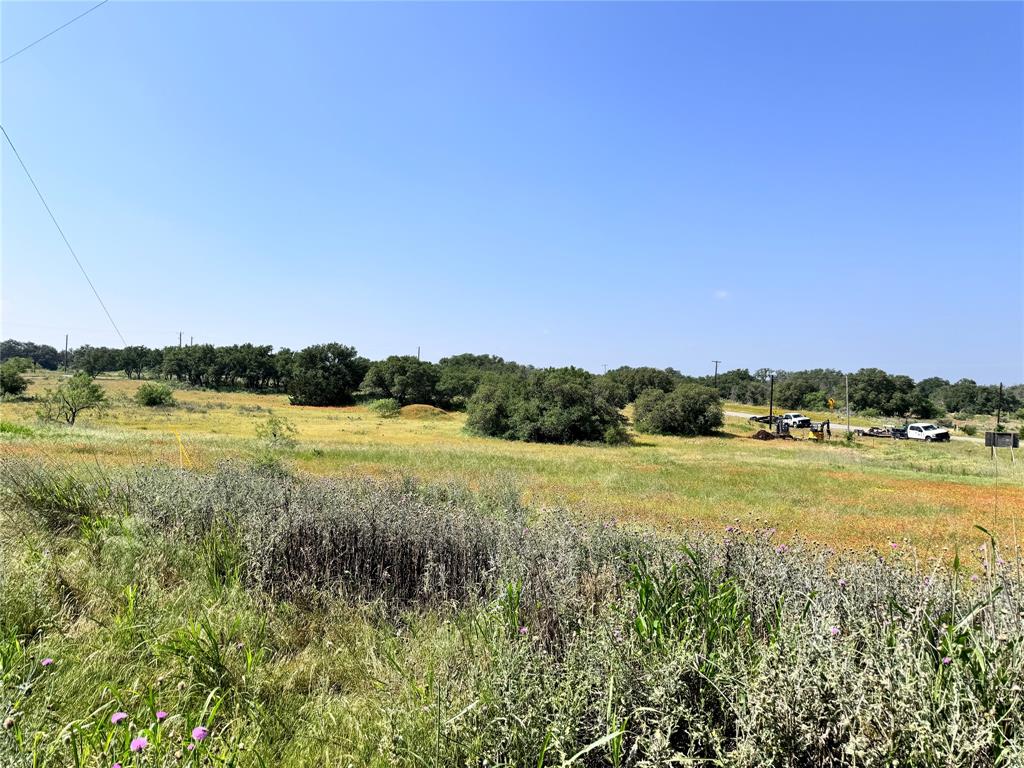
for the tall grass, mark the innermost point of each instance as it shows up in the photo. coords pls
(387, 622)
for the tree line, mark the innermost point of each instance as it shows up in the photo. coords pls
(335, 374)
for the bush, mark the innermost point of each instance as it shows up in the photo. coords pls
(277, 432)
(969, 429)
(555, 405)
(12, 383)
(152, 395)
(386, 408)
(689, 409)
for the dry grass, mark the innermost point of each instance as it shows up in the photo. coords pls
(863, 495)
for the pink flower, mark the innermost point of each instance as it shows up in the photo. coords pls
(523, 630)
(161, 715)
(116, 765)
(894, 545)
(946, 660)
(46, 662)
(834, 631)
(199, 733)
(842, 582)
(191, 747)
(139, 744)
(117, 717)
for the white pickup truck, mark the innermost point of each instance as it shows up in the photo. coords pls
(795, 421)
(927, 432)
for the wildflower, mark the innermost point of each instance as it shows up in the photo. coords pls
(834, 631)
(894, 545)
(781, 548)
(523, 630)
(161, 715)
(191, 747)
(116, 765)
(946, 660)
(139, 744)
(730, 528)
(199, 733)
(117, 717)
(46, 662)
(842, 582)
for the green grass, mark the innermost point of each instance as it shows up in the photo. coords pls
(859, 495)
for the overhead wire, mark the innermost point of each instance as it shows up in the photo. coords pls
(53, 218)
(53, 32)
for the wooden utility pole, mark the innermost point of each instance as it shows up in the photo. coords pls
(179, 339)
(999, 407)
(65, 353)
(847, 402)
(771, 400)
(417, 353)
(716, 362)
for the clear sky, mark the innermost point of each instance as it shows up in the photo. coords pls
(770, 185)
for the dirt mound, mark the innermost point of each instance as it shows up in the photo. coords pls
(423, 412)
(762, 434)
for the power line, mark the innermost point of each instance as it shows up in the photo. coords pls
(72, 250)
(58, 29)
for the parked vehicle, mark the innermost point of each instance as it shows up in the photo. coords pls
(930, 433)
(764, 419)
(874, 432)
(795, 421)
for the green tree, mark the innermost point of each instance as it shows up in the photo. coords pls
(325, 374)
(12, 383)
(555, 405)
(404, 378)
(689, 409)
(71, 397)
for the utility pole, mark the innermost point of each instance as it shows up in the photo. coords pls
(999, 408)
(716, 362)
(605, 365)
(190, 340)
(417, 353)
(65, 353)
(179, 339)
(771, 400)
(847, 402)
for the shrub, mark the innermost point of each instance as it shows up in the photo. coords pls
(386, 408)
(71, 397)
(152, 395)
(969, 429)
(12, 383)
(555, 405)
(689, 409)
(277, 432)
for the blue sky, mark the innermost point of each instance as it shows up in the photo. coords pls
(770, 185)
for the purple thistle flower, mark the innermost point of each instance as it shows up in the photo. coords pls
(946, 660)
(842, 582)
(161, 715)
(834, 631)
(117, 717)
(46, 662)
(781, 548)
(199, 733)
(523, 630)
(894, 545)
(139, 744)
(116, 765)
(191, 747)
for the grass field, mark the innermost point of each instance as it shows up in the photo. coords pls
(245, 616)
(861, 495)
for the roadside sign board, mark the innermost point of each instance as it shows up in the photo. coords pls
(1002, 440)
